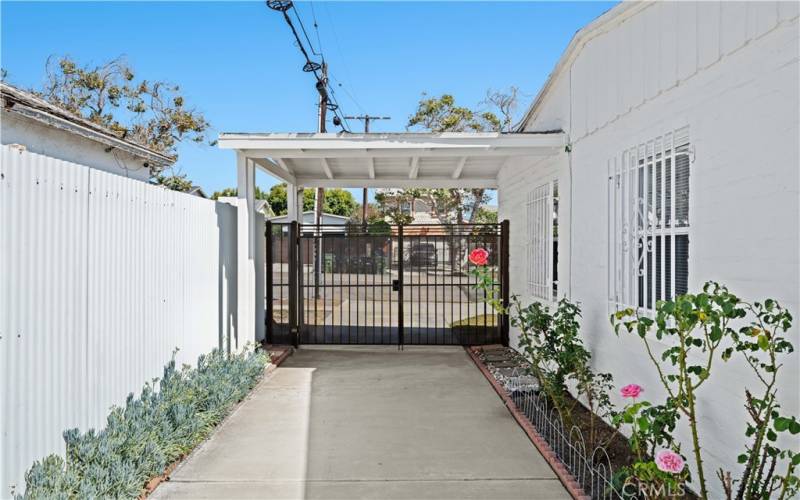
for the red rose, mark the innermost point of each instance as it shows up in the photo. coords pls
(479, 256)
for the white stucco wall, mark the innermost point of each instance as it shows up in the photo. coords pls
(55, 143)
(730, 72)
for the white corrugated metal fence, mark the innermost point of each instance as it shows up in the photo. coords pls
(103, 277)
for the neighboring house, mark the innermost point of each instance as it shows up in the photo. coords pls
(30, 123)
(197, 191)
(308, 218)
(681, 167)
(421, 212)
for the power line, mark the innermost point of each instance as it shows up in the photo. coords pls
(326, 92)
(351, 96)
(316, 26)
(305, 33)
(344, 61)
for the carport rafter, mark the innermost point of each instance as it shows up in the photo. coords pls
(391, 160)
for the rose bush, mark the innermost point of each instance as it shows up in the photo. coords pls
(669, 461)
(631, 391)
(552, 344)
(696, 329)
(479, 256)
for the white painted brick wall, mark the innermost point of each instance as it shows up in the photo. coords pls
(735, 83)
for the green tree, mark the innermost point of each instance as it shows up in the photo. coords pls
(225, 193)
(229, 192)
(175, 181)
(337, 201)
(442, 114)
(486, 216)
(276, 197)
(151, 113)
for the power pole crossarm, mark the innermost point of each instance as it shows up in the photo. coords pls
(366, 119)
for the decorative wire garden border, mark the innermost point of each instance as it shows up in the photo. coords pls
(593, 472)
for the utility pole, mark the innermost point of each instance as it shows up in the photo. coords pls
(323, 109)
(322, 85)
(366, 119)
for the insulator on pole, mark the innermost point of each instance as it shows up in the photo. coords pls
(279, 5)
(311, 66)
(323, 91)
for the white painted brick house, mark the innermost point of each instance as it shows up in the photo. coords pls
(712, 89)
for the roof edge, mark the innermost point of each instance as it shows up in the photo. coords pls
(598, 26)
(33, 107)
(377, 135)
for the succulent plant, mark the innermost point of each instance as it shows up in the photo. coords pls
(169, 418)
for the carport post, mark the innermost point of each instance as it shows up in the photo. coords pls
(247, 329)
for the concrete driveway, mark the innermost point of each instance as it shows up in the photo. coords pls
(369, 422)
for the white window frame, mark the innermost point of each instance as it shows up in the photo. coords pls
(635, 221)
(540, 241)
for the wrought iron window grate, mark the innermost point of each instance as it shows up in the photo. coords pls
(648, 222)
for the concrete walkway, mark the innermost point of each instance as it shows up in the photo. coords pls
(369, 422)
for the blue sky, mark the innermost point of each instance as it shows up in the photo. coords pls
(236, 61)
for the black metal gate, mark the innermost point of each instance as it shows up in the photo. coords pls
(383, 284)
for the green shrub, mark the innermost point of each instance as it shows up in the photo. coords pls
(148, 433)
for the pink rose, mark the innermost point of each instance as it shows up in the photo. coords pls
(669, 461)
(479, 256)
(631, 391)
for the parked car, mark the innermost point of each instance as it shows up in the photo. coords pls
(422, 254)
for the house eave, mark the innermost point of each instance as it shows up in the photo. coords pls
(152, 157)
(602, 24)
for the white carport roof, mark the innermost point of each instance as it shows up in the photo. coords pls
(452, 159)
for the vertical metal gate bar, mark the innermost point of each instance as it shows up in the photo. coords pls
(452, 279)
(410, 282)
(383, 288)
(282, 279)
(294, 295)
(300, 282)
(496, 288)
(485, 242)
(268, 284)
(349, 270)
(374, 268)
(504, 278)
(358, 283)
(341, 267)
(317, 276)
(427, 295)
(400, 332)
(324, 292)
(436, 281)
(389, 300)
